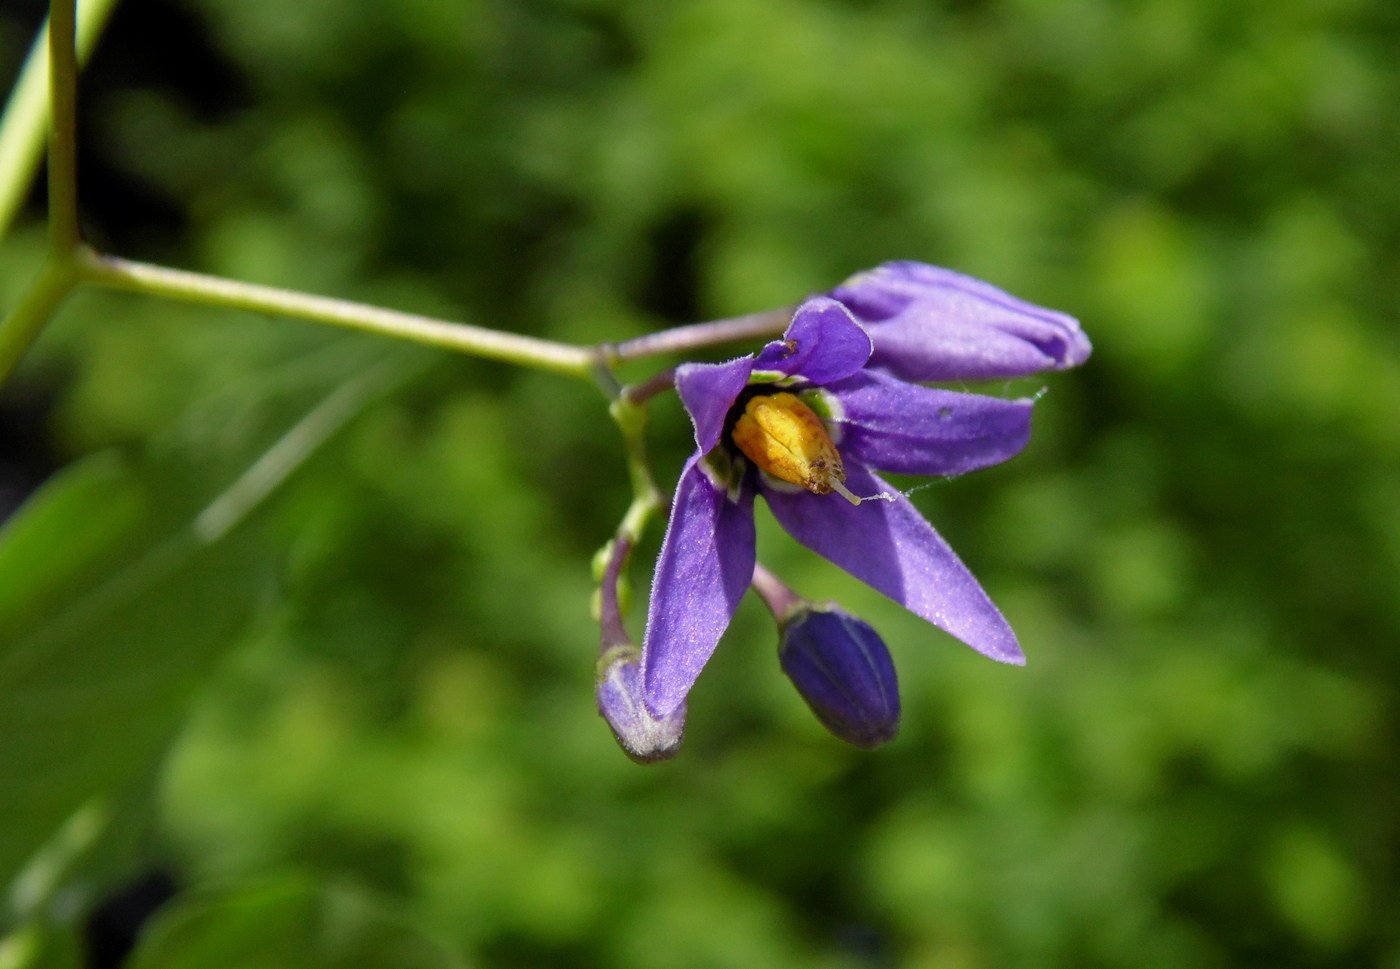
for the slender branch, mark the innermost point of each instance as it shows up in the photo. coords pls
(63, 126)
(32, 313)
(647, 498)
(657, 383)
(477, 341)
(19, 138)
(26, 116)
(684, 338)
(612, 629)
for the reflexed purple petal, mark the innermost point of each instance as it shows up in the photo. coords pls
(708, 390)
(823, 343)
(706, 563)
(929, 323)
(644, 738)
(895, 426)
(889, 546)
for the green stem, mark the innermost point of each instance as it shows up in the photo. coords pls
(610, 562)
(34, 310)
(647, 498)
(26, 116)
(63, 132)
(477, 341)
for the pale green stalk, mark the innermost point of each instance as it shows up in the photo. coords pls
(37, 306)
(478, 341)
(26, 116)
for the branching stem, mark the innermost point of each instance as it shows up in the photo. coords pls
(25, 121)
(27, 319)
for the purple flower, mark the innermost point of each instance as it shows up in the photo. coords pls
(929, 323)
(806, 423)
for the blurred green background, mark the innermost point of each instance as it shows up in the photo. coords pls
(359, 730)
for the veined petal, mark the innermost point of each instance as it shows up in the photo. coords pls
(708, 390)
(929, 323)
(705, 565)
(823, 343)
(896, 426)
(889, 546)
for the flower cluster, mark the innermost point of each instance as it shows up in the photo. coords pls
(809, 423)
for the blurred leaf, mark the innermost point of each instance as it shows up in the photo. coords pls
(1315, 887)
(284, 924)
(39, 946)
(81, 513)
(145, 573)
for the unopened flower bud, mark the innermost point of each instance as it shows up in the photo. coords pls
(643, 737)
(844, 672)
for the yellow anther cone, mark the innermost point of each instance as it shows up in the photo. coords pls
(782, 435)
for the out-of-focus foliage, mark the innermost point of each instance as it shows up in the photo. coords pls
(398, 755)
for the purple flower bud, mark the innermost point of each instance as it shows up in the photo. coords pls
(642, 736)
(844, 672)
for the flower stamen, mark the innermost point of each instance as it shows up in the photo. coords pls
(840, 488)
